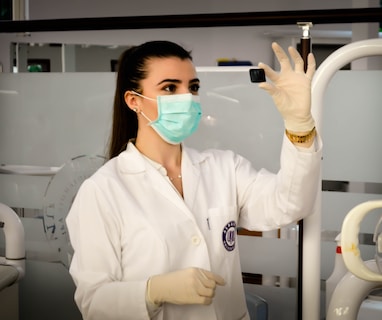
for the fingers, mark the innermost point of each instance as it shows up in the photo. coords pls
(215, 277)
(207, 285)
(281, 56)
(311, 66)
(297, 59)
(205, 281)
(269, 72)
(270, 88)
(285, 63)
(187, 286)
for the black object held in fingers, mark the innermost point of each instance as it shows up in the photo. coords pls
(257, 75)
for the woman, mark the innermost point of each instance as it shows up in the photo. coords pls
(154, 229)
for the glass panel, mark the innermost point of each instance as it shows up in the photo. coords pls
(61, 57)
(352, 119)
(352, 158)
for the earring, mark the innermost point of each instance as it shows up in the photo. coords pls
(135, 110)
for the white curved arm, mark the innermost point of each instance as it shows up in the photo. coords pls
(349, 241)
(14, 239)
(312, 224)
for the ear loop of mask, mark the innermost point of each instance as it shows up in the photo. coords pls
(141, 112)
(141, 95)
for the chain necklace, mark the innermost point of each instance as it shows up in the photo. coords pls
(179, 176)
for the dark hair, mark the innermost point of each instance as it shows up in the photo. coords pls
(131, 70)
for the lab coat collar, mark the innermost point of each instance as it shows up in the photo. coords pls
(137, 165)
(132, 162)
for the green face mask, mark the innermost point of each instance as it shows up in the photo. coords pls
(178, 116)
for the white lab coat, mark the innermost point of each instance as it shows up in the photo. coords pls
(128, 223)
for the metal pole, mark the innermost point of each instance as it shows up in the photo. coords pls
(305, 49)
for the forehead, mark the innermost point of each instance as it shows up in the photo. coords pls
(170, 68)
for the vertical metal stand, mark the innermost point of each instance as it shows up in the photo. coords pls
(305, 49)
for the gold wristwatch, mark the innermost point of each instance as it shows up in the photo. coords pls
(301, 139)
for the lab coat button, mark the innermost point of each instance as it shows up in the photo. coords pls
(195, 240)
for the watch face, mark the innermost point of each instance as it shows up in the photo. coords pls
(58, 198)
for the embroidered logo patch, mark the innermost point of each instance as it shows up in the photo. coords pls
(229, 236)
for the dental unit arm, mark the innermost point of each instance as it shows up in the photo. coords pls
(14, 240)
(363, 276)
(349, 241)
(312, 224)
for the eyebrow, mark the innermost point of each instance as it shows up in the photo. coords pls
(177, 81)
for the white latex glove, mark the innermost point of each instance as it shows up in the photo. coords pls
(187, 286)
(291, 89)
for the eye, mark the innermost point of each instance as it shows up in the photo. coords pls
(171, 88)
(194, 88)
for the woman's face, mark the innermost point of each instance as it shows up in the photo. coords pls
(167, 76)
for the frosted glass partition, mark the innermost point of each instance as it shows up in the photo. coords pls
(352, 131)
(238, 115)
(48, 119)
(352, 119)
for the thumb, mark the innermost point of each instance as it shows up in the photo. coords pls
(215, 277)
(270, 88)
(269, 72)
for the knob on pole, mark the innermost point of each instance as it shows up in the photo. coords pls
(305, 42)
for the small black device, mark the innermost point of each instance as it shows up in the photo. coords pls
(257, 75)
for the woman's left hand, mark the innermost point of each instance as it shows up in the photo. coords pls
(291, 89)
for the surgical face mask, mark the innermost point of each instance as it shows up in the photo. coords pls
(178, 116)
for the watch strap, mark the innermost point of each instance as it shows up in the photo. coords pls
(301, 139)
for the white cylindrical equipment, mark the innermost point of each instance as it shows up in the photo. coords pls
(349, 295)
(362, 277)
(339, 271)
(14, 239)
